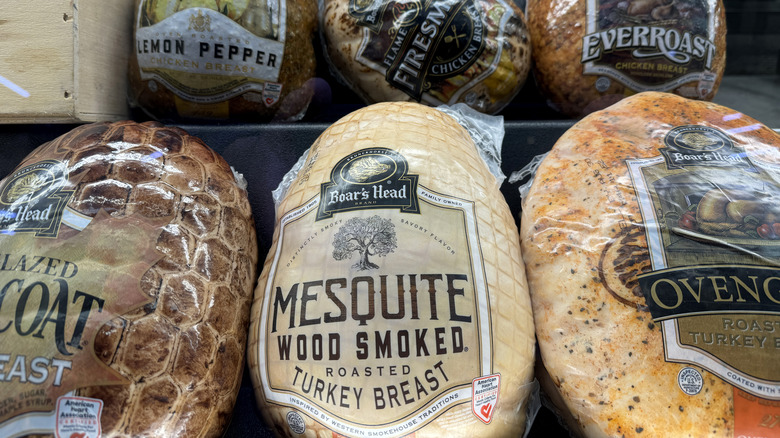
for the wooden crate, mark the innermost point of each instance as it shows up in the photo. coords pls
(64, 61)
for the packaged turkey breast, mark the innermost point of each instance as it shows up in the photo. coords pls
(127, 266)
(223, 60)
(435, 52)
(590, 54)
(393, 301)
(650, 237)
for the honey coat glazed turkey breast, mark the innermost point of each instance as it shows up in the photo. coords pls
(393, 301)
(648, 236)
(127, 265)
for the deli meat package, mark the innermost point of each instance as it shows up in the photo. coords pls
(393, 301)
(127, 262)
(436, 51)
(651, 236)
(589, 54)
(217, 60)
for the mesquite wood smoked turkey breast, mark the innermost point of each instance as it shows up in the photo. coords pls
(653, 282)
(393, 300)
(131, 251)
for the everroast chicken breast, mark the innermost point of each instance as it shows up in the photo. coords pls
(128, 256)
(648, 236)
(590, 54)
(393, 300)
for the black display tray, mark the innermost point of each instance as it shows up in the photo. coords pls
(263, 154)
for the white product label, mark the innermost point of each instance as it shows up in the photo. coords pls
(271, 93)
(356, 331)
(485, 396)
(205, 56)
(78, 417)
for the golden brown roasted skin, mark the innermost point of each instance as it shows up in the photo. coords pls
(584, 243)
(181, 353)
(344, 37)
(557, 28)
(298, 67)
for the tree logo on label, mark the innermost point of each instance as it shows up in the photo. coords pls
(373, 236)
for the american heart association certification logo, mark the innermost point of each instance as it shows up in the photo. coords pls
(484, 396)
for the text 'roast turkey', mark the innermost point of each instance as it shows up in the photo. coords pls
(126, 270)
(393, 300)
(652, 257)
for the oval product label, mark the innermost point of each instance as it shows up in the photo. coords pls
(207, 56)
(375, 318)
